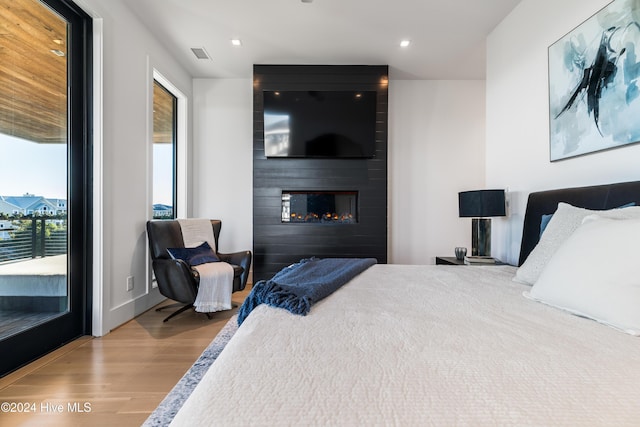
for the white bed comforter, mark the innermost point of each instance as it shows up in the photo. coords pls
(422, 345)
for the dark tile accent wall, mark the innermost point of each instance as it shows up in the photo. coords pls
(277, 245)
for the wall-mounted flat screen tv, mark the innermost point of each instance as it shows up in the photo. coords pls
(321, 124)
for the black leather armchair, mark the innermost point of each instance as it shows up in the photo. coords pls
(176, 280)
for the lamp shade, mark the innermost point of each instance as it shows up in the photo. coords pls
(481, 203)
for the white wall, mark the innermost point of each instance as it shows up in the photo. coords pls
(223, 158)
(436, 149)
(517, 115)
(129, 54)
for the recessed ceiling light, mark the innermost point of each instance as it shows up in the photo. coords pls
(57, 52)
(405, 43)
(236, 42)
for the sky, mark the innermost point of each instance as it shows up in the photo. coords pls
(162, 174)
(29, 167)
(41, 169)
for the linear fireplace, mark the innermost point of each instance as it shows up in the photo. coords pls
(324, 207)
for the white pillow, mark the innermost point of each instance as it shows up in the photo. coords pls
(594, 274)
(563, 223)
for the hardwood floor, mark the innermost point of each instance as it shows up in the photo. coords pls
(115, 380)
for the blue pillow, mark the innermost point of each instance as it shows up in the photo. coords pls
(544, 221)
(194, 256)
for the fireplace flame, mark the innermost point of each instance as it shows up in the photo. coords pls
(325, 218)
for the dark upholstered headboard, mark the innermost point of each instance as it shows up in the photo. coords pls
(597, 197)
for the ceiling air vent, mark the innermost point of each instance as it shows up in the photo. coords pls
(200, 53)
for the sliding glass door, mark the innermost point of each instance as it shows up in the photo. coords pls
(45, 259)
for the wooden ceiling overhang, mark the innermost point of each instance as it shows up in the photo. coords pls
(163, 115)
(33, 79)
(33, 76)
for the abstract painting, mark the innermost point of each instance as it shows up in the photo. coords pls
(594, 83)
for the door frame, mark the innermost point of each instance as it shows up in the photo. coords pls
(28, 345)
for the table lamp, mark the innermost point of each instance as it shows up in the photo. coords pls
(481, 205)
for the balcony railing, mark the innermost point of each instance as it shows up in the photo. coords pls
(32, 237)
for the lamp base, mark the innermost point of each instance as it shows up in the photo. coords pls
(481, 237)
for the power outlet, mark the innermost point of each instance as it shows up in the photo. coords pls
(130, 283)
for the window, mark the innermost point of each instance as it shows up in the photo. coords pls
(164, 152)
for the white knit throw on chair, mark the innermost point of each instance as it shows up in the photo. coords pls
(216, 278)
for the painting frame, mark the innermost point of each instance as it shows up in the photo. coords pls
(594, 83)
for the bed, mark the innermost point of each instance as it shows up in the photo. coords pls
(446, 345)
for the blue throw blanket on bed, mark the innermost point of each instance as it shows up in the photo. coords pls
(297, 287)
